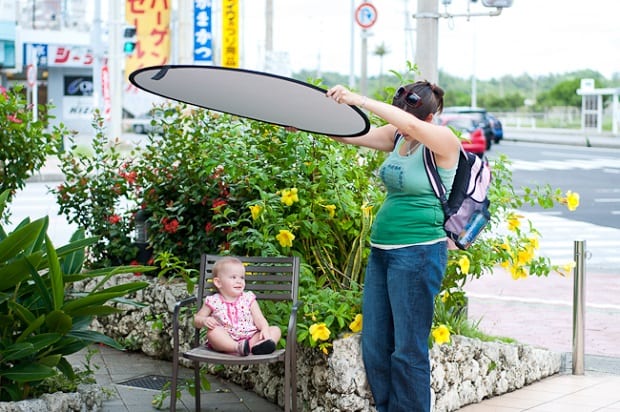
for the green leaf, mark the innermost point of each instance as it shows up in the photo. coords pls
(22, 311)
(58, 321)
(90, 300)
(55, 275)
(51, 360)
(17, 271)
(17, 351)
(74, 261)
(40, 284)
(91, 336)
(96, 311)
(30, 372)
(32, 327)
(20, 239)
(66, 368)
(43, 340)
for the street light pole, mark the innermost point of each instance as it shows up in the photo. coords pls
(427, 39)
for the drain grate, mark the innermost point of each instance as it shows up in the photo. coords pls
(154, 382)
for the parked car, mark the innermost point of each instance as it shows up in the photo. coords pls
(151, 122)
(481, 115)
(472, 134)
(496, 126)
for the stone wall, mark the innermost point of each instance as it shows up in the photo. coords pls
(463, 372)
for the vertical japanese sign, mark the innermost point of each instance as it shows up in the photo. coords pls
(230, 33)
(203, 32)
(152, 22)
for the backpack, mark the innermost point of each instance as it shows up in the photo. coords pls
(466, 210)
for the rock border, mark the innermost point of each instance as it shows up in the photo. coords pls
(463, 372)
(87, 398)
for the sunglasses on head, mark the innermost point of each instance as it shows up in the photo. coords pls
(411, 98)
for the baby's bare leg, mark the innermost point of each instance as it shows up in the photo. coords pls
(221, 341)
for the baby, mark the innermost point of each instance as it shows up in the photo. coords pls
(234, 320)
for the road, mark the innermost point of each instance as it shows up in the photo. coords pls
(539, 311)
(591, 172)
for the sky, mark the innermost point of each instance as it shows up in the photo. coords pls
(535, 37)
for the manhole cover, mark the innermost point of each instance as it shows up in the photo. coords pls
(154, 382)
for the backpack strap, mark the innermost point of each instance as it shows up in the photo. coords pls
(397, 137)
(434, 178)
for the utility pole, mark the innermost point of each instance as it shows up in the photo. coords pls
(116, 60)
(268, 64)
(352, 48)
(95, 42)
(427, 39)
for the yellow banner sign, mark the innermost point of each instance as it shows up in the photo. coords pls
(230, 33)
(152, 22)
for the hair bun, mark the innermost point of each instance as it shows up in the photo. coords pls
(437, 90)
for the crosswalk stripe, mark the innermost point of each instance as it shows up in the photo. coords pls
(558, 237)
(568, 164)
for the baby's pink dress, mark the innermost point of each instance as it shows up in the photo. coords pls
(235, 316)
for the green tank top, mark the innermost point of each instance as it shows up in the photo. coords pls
(411, 212)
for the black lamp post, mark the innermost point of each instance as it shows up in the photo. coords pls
(141, 237)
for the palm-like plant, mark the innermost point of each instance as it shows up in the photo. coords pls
(41, 319)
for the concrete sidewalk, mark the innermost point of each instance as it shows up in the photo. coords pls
(135, 379)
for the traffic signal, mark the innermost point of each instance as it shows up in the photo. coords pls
(129, 40)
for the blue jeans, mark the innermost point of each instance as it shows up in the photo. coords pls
(399, 292)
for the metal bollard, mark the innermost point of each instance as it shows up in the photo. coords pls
(579, 308)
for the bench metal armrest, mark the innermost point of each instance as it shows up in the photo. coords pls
(191, 300)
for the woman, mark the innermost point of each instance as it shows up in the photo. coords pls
(408, 245)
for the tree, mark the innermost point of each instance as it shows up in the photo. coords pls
(381, 50)
(25, 143)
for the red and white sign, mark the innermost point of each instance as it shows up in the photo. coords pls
(366, 15)
(105, 92)
(70, 56)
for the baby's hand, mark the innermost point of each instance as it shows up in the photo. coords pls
(264, 334)
(211, 322)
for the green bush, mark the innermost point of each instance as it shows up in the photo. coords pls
(41, 319)
(25, 143)
(220, 184)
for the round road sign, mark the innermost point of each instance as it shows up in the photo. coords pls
(366, 15)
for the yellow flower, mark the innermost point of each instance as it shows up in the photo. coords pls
(505, 264)
(568, 268)
(572, 200)
(285, 237)
(289, 196)
(366, 209)
(505, 246)
(356, 325)
(331, 209)
(534, 243)
(513, 222)
(255, 210)
(441, 334)
(518, 272)
(525, 256)
(444, 296)
(319, 331)
(464, 264)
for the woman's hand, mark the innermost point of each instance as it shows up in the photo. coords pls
(342, 95)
